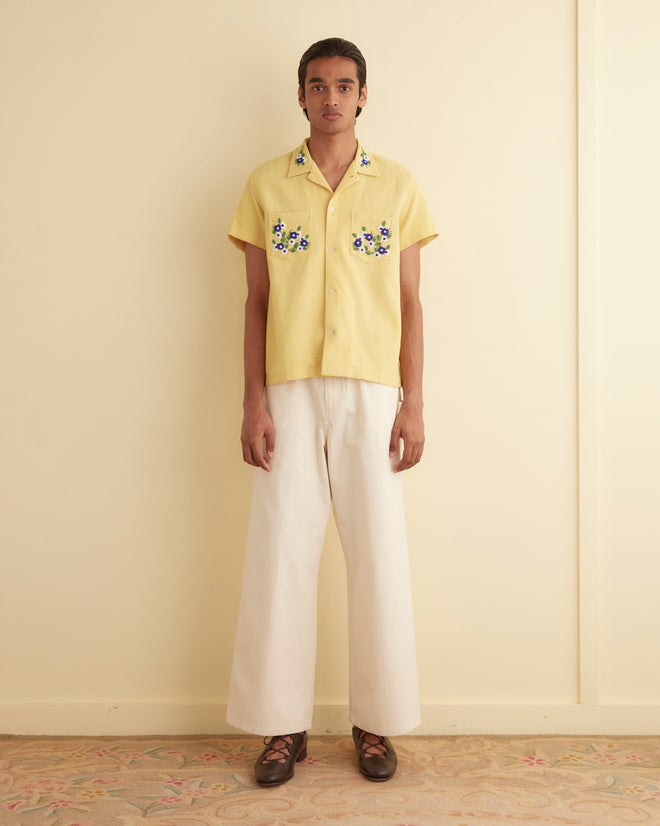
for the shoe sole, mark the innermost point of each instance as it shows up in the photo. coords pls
(377, 779)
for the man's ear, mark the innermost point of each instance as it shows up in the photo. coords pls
(301, 98)
(362, 100)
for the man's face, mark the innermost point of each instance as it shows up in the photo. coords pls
(332, 95)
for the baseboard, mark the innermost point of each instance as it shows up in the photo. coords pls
(531, 719)
(125, 719)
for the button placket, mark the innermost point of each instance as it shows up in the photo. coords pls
(331, 246)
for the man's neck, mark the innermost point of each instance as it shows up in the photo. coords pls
(333, 154)
(332, 151)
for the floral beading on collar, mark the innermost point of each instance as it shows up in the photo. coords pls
(365, 160)
(301, 158)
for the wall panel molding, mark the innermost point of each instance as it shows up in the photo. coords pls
(587, 348)
(127, 719)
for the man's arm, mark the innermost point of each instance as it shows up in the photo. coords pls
(409, 424)
(257, 423)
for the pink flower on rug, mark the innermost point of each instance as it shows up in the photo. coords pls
(105, 782)
(635, 758)
(602, 757)
(171, 800)
(316, 761)
(535, 761)
(192, 794)
(173, 752)
(11, 807)
(102, 753)
(175, 781)
(134, 755)
(209, 757)
(60, 804)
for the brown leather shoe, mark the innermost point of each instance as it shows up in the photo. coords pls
(283, 755)
(376, 755)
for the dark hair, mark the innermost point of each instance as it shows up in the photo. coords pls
(333, 47)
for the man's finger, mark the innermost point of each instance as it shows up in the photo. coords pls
(394, 440)
(404, 462)
(270, 441)
(258, 454)
(412, 454)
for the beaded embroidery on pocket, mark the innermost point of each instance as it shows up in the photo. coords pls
(287, 241)
(374, 242)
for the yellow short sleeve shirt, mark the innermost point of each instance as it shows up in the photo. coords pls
(333, 263)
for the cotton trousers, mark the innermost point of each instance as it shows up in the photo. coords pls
(332, 439)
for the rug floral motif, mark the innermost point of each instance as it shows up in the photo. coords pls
(457, 781)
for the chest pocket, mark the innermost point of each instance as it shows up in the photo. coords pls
(371, 236)
(289, 238)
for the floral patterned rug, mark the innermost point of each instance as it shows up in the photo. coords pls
(441, 781)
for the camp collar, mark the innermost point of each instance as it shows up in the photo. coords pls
(301, 161)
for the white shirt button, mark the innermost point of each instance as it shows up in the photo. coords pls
(331, 291)
(331, 249)
(331, 332)
(332, 209)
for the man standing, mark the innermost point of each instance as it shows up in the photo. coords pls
(333, 335)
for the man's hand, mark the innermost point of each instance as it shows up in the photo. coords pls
(257, 426)
(409, 426)
(257, 423)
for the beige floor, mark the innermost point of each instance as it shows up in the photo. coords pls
(458, 781)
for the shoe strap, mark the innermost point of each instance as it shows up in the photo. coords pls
(284, 751)
(378, 749)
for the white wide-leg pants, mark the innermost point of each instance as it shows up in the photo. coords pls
(332, 440)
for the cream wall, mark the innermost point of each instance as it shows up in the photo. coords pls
(128, 131)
